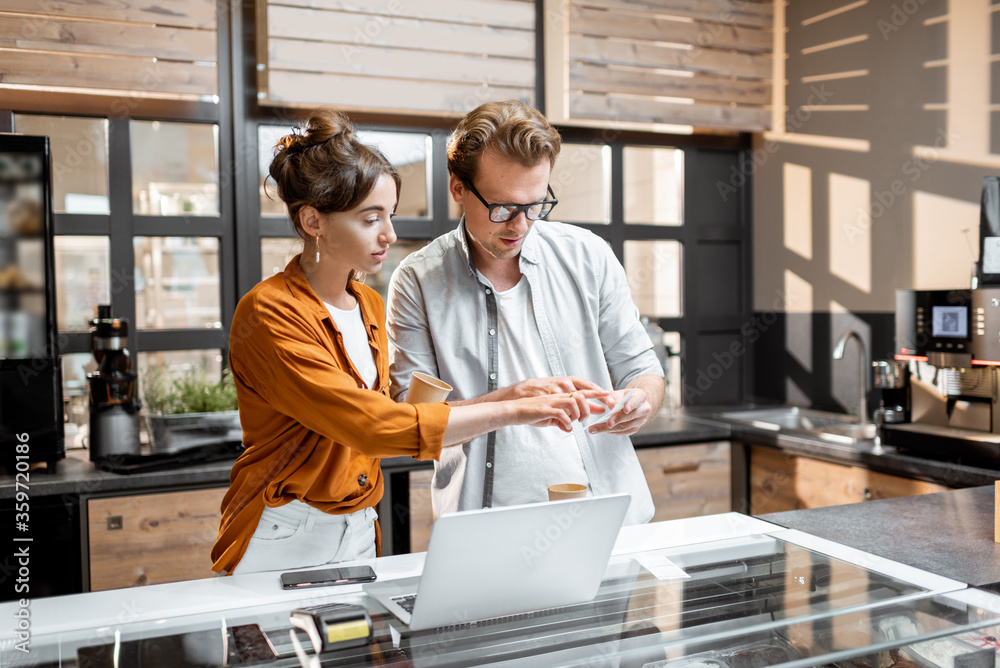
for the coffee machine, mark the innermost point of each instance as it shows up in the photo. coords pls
(956, 333)
(892, 383)
(114, 406)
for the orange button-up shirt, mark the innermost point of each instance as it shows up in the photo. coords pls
(312, 431)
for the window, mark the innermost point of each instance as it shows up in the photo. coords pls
(177, 282)
(175, 169)
(654, 276)
(79, 160)
(83, 271)
(654, 185)
(581, 179)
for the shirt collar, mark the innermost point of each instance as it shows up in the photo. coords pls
(529, 249)
(299, 286)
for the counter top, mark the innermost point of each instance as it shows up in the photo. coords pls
(948, 533)
(76, 474)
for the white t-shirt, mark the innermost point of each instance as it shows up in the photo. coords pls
(529, 458)
(352, 328)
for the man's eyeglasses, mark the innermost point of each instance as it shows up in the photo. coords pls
(501, 213)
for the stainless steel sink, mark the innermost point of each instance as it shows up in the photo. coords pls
(833, 427)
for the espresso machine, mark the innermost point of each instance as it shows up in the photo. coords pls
(114, 406)
(954, 337)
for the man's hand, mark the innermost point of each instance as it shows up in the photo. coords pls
(562, 409)
(636, 412)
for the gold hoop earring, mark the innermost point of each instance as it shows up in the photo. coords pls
(317, 249)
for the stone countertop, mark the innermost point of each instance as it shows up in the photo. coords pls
(929, 531)
(76, 474)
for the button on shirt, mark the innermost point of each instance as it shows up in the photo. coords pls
(439, 315)
(531, 458)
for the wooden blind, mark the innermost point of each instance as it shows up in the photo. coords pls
(704, 63)
(156, 48)
(396, 56)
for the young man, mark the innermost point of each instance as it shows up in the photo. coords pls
(512, 305)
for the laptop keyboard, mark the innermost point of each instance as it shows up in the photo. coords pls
(406, 602)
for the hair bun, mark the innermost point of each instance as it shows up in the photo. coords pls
(324, 124)
(327, 123)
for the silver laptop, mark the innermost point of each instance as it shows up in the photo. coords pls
(483, 564)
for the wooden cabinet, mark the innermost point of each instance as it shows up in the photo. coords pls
(688, 480)
(152, 538)
(780, 481)
(685, 481)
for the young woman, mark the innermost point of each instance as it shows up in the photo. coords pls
(308, 351)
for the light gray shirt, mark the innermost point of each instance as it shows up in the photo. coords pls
(442, 320)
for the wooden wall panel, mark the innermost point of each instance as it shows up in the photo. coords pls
(755, 14)
(618, 109)
(620, 62)
(497, 13)
(310, 89)
(324, 58)
(97, 72)
(606, 23)
(166, 48)
(416, 57)
(199, 14)
(620, 52)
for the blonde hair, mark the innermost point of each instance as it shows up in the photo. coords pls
(511, 128)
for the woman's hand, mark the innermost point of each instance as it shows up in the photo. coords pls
(561, 410)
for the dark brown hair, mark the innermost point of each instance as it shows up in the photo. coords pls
(326, 167)
(511, 128)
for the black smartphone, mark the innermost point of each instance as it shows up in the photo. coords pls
(325, 577)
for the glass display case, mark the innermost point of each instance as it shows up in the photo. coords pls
(757, 597)
(30, 383)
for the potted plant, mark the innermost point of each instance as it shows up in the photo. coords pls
(190, 410)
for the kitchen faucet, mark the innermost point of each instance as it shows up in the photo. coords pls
(838, 353)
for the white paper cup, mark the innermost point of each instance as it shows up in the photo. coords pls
(426, 389)
(567, 490)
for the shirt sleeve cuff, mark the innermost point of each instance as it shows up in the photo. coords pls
(432, 420)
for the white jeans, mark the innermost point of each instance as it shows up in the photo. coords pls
(297, 535)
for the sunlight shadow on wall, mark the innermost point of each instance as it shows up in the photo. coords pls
(945, 236)
(850, 230)
(798, 209)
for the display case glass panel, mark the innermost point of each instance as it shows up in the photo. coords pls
(743, 601)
